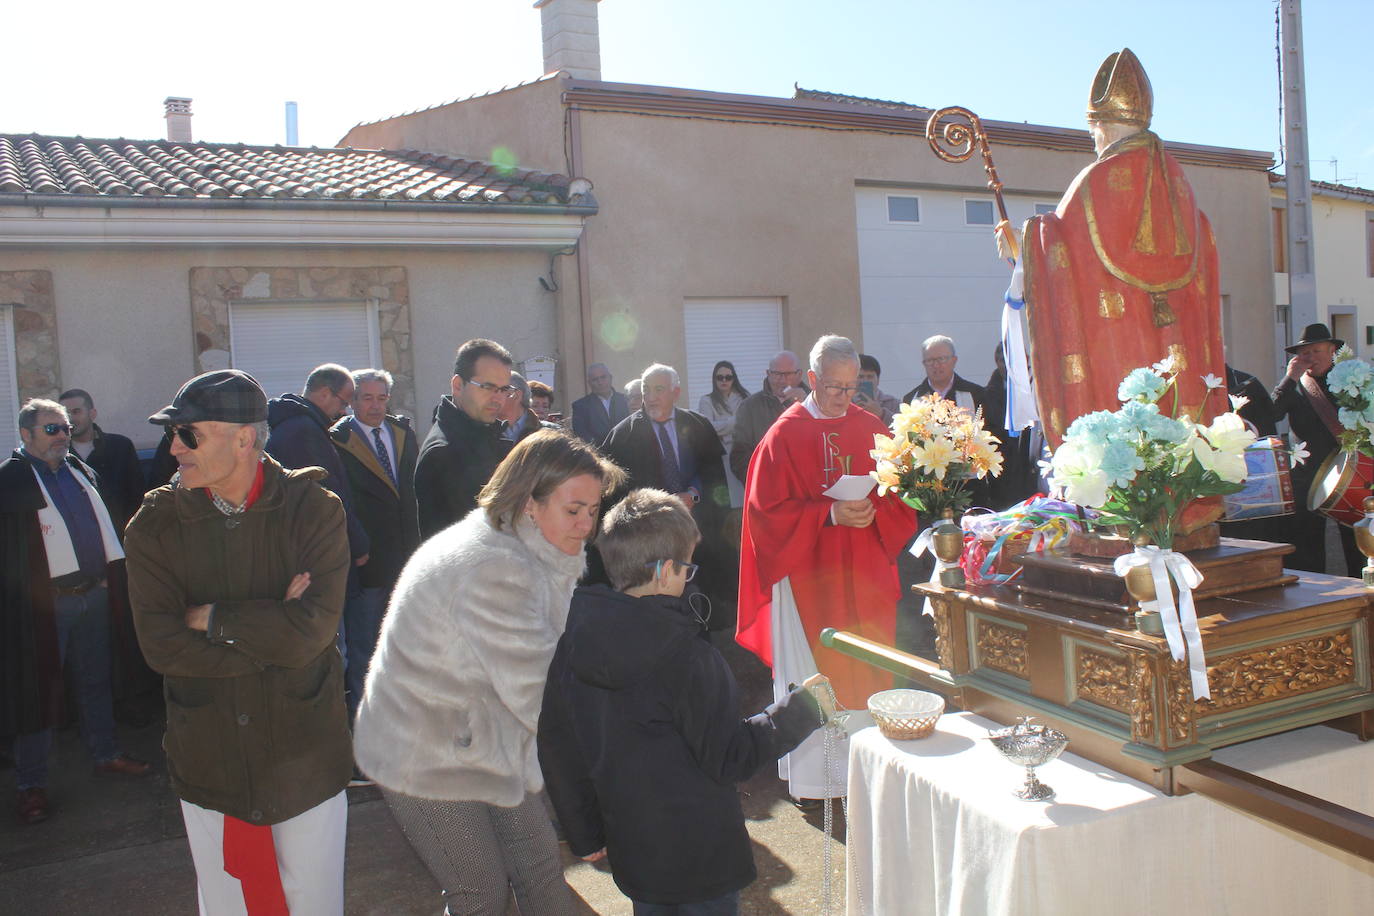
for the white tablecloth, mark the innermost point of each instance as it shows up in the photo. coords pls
(934, 828)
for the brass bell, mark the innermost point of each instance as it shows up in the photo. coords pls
(1364, 539)
(947, 539)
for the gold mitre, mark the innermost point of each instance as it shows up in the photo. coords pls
(1121, 91)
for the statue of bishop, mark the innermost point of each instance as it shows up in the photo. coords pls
(1124, 272)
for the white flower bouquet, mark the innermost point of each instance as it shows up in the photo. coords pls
(934, 450)
(1141, 468)
(1351, 382)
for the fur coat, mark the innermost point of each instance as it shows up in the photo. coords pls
(454, 691)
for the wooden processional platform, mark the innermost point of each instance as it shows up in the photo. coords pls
(1284, 650)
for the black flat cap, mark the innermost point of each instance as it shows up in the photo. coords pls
(224, 396)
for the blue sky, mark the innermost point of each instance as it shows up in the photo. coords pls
(1212, 62)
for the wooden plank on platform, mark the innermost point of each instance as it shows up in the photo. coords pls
(1317, 818)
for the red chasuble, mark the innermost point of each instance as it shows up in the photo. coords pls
(1121, 275)
(841, 577)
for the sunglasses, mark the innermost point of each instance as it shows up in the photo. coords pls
(725, 378)
(53, 429)
(185, 434)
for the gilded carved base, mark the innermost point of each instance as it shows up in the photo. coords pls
(1102, 678)
(1001, 647)
(944, 633)
(1269, 674)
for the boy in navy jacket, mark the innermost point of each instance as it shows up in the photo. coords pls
(640, 738)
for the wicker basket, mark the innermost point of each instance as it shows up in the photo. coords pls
(904, 715)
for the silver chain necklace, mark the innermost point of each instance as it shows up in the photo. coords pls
(231, 512)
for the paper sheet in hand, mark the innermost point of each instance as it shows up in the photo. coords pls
(851, 486)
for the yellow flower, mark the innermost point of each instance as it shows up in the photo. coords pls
(887, 475)
(935, 456)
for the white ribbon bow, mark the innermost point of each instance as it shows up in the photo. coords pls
(1180, 623)
(923, 543)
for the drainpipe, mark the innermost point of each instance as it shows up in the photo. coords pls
(584, 286)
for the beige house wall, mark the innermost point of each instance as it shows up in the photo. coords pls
(527, 121)
(1341, 245)
(703, 206)
(125, 328)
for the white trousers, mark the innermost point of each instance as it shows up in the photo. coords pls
(310, 857)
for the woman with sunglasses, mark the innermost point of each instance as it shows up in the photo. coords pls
(447, 721)
(720, 407)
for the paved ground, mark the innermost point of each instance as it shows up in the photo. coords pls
(119, 846)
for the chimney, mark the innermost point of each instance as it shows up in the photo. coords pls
(178, 119)
(292, 134)
(571, 41)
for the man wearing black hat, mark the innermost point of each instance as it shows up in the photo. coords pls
(1302, 396)
(236, 577)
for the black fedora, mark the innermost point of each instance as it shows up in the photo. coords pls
(1315, 333)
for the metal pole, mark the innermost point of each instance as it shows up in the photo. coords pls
(1302, 261)
(292, 135)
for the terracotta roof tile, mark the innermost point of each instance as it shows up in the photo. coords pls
(818, 95)
(76, 168)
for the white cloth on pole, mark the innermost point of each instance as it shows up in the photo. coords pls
(310, 858)
(804, 768)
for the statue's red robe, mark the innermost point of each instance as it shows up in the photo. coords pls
(841, 577)
(1121, 275)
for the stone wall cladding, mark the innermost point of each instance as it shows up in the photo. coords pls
(37, 367)
(214, 288)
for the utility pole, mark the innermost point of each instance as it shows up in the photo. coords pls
(1302, 260)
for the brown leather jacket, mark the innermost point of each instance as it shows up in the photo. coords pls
(256, 726)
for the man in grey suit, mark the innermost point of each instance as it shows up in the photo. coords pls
(595, 415)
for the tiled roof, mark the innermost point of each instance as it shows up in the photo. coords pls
(79, 169)
(816, 95)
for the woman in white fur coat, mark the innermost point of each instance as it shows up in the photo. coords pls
(447, 721)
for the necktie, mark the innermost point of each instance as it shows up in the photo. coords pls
(382, 455)
(672, 471)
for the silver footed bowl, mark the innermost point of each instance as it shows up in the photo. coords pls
(1029, 746)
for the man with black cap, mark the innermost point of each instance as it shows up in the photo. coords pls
(1302, 396)
(236, 576)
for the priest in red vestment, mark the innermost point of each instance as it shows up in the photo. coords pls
(1124, 273)
(807, 561)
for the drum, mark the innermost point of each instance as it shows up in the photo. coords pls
(1343, 481)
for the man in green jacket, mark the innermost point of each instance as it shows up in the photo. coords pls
(237, 573)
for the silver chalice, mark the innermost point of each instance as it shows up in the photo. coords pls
(1029, 746)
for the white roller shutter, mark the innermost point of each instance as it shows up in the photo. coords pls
(747, 332)
(280, 342)
(9, 384)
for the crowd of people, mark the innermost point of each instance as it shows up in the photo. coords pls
(520, 601)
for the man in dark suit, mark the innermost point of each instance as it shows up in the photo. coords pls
(678, 450)
(594, 416)
(113, 458)
(378, 451)
(939, 358)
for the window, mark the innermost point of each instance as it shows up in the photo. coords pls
(747, 332)
(1045, 208)
(1280, 241)
(9, 387)
(278, 343)
(903, 209)
(978, 213)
